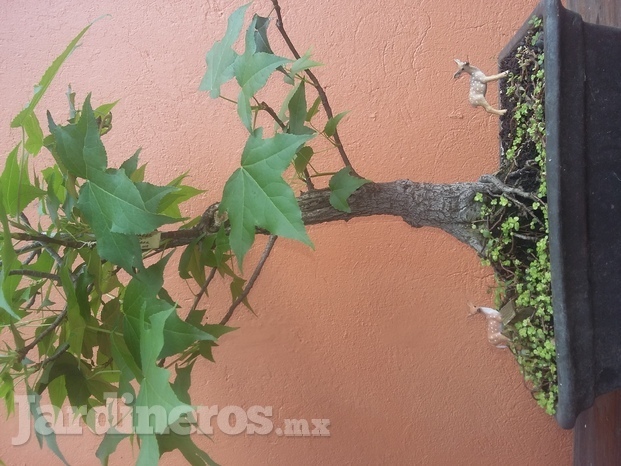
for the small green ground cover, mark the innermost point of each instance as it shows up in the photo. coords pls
(515, 223)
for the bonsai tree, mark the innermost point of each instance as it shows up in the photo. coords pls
(86, 246)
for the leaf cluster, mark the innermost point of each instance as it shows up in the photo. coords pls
(62, 295)
(256, 195)
(85, 247)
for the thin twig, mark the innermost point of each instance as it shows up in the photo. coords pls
(322, 93)
(24, 351)
(264, 106)
(44, 239)
(31, 301)
(506, 188)
(200, 294)
(24, 218)
(507, 191)
(61, 349)
(524, 208)
(308, 179)
(35, 274)
(253, 278)
(54, 255)
(30, 258)
(34, 246)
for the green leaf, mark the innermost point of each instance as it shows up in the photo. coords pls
(141, 297)
(76, 323)
(79, 145)
(113, 206)
(101, 383)
(222, 246)
(138, 174)
(8, 284)
(126, 364)
(155, 390)
(260, 35)
(7, 393)
(303, 63)
(153, 195)
(103, 110)
(257, 196)
(131, 164)
(297, 111)
(110, 202)
(179, 335)
(170, 203)
(342, 185)
(67, 366)
(252, 70)
(46, 80)
(41, 424)
(182, 383)
(330, 127)
(184, 443)
(44, 263)
(57, 391)
(237, 288)
(34, 133)
(244, 111)
(313, 110)
(221, 57)
(195, 257)
(120, 249)
(56, 193)
(17, 191)
(190, 264)
(302, 159)
(108, 445)
(149, 451)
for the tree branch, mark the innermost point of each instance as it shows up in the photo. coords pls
(320, 90)
(265, 107)
(450, 207)
(203, 289)
(35, 274)
(44, 239)
(61, 349)
(253, 278)
(22, 352)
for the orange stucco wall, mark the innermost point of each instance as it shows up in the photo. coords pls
(368, 330)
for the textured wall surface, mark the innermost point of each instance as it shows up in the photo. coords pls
(368, 330)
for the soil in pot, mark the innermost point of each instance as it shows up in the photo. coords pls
(515, 223)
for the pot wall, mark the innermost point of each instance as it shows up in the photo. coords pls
(583, 117)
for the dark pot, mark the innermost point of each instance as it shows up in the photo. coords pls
(583, 130)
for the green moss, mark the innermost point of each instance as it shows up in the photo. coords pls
(516, 226)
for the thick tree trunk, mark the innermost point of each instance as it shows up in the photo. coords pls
(450, 207)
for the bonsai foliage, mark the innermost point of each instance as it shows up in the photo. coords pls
(84, 245)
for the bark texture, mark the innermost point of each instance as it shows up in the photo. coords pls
(450, 207)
